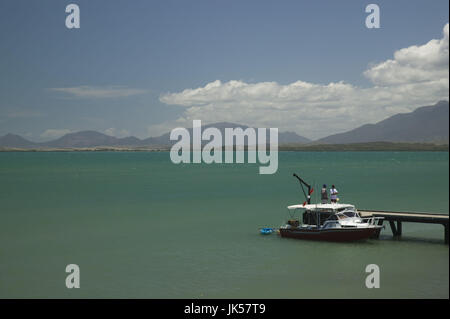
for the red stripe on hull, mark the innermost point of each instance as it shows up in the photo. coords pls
(340, 234)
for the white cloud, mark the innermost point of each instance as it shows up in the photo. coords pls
(24, 114)
(418, 75)
(19, 112)
(423, 63)
(55, 133)
(99, 92)
(117, 133)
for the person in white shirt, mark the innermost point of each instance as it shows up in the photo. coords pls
(333, 194)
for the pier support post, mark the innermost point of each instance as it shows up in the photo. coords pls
(399, 228)
(446, 233)
(393, 228)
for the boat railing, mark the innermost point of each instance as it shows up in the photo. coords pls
(372, 220)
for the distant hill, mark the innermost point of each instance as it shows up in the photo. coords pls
(283, 137)
(425, 124)
(12, 140)
(86, 139)
(292, 137)
(82, 139)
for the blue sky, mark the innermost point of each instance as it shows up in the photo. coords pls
(124, 70)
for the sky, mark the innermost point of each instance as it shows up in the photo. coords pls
(143, 68)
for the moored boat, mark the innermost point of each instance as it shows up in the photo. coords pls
(330, 222)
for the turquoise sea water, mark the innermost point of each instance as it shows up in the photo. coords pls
(139, 226)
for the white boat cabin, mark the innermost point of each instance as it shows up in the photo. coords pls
(328, 216)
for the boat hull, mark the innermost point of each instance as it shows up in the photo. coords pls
(336, 234)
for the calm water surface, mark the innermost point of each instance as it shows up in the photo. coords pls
(141, 227)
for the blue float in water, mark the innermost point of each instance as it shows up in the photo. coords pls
(266, 231)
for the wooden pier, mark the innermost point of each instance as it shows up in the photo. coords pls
(396, 219)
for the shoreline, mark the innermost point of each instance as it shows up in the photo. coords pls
(351, 147)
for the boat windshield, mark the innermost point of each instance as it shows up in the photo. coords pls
(349, 214)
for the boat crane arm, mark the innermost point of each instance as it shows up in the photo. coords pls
(302, 182)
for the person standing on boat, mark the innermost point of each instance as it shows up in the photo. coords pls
(334, 192)
(324, 194)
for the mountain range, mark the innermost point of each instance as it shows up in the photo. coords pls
(424, 124)
(85, 139)
(429, 124)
